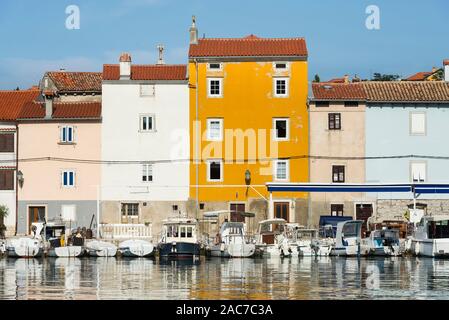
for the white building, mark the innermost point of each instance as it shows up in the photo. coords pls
(145, 127)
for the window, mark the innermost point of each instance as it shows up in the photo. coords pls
(183, 232)
(189, 232)
(214, 89)
(322, 104)
(215, 170)
(280, 66)
(7, 142)
(147, 90)
(418, 171)
(338, 173)
(67, 134)
(68, 178)
(130, 212)
(418, 123)
(175, 208)
(352, 104)
(201, 206)
(281, 87)
(281, 170)
(215, 129)
(147, 173)
(334, 121)
(215, 66)
(147, 123)
(281, 127)
(336, 209)
(6, 179)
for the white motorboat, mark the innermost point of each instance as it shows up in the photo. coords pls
(273, 240)
(231, 242)
(97, 248)
(54, 232)
(431, 237)
(27, 247)
(383, 242)
(305, 237)
(322, 246)
(136, 248)
(348, 239)
(179, 238)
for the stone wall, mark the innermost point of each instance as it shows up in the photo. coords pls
(395, 209)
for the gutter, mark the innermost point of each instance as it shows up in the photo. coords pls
(15, 180)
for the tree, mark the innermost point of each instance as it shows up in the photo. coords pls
(385, 77)
(4, 211)
(317, 78)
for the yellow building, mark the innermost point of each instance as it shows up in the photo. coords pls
(249, 124)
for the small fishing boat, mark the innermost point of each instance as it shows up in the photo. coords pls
(272, 239)
(231, 242)
(27, 247)
(97, 248)
(179, 238)
(431, 237)
(136, 248)
(305, 237)
(383, 242)
(348, 239)
(54, 232)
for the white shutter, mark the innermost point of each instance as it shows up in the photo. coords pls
(418, 123)
(68, 212)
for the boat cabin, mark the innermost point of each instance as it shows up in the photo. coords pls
(269, 229)
(179, 230)
(328, 225)
(349, 233)
(436, 227)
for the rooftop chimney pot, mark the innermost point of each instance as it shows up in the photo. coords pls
(125, 66)
(193, 32)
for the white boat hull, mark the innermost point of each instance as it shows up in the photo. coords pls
(65, 252)
(348, 251)
(241, 250)
(438, 248)
(136, 248)
(24, 248)
(101, 249)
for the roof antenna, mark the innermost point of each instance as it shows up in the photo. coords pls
(204, 35)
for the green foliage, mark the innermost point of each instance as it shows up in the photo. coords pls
(317, 78)
(385, 77)
(4, 211)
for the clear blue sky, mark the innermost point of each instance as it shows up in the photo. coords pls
(33, 38)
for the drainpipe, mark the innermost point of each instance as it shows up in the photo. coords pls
(16, 182)
(309, 200)
(196, 142)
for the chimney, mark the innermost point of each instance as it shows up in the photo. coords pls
(346, 78)
(161, 54)
(193, 32)
(48, 98)
(125, 66)
(446, 70)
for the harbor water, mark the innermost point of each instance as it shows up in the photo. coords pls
(214, 278)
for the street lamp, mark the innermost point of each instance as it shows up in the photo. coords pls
(247, 179)
(20, 178)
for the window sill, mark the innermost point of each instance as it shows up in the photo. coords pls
(67, 143)
(147, 131)
(215, 181)
(281, 139)
(215, 97)
(276, 96)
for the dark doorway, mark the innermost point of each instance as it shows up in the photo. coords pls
(35, 214)
(282, 210)
(236, 212)
(362, 212)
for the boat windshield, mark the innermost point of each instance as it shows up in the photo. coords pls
(350, 230)
(438, 229)
(272, 227)
(179, 231)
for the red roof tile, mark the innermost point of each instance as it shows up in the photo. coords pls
(62, 110)
(420, 76)
(249, 46)
(407, 91)
(147, 72)
(338, 91)
(11, 102)
(76, 81)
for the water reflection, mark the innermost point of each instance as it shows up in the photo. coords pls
(214, 278)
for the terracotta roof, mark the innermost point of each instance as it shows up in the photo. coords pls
(338, 91)
(76, 81)
(420, 76)
(405, 91)
(11, 102)
(62, 110)
(248, 46)
(147, 72)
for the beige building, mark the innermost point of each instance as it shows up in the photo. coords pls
(337, 134)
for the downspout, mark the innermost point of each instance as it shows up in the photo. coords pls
(196, 142)
(309, 200)
(16, 182)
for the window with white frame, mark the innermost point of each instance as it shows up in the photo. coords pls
(147, 172)
(147, 90)
(281, 129)
(214, 87)
(418, 171)
(147, 123)
(280, 87)
(67, 134)
(417, 123)
(215, 129)
(281, 170)
(68, 178)
(214, 170)
(215, 66)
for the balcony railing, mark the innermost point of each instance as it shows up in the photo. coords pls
(125, 231)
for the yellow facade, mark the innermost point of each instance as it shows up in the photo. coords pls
(247, 103)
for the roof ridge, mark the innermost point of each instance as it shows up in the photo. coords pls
(146, 65)
(247, 38)
(74, 71)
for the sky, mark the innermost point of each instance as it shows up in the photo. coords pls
(413, 35)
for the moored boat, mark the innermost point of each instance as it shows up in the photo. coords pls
(348, 239)
(56, 243)
(97, 248)
(27, 247)
(179, 238)
(136, 248)
(272, 239)
(431, 237)
(383, 242)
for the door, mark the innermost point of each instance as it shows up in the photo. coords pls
(282, 210)
(35, 214)
(363, 212)
(236, 212)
